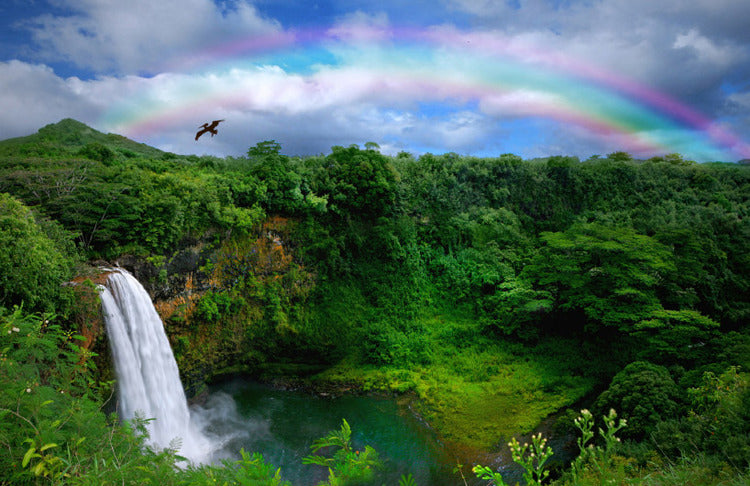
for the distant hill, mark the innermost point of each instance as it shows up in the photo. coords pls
(68, 137)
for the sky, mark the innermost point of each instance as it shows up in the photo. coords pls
(534, 78)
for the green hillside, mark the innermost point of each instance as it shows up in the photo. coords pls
(68, 137)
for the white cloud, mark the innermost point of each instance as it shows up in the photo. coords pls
(361, 27)
(33, 96)
(521, 103)
(138, 35)
(460, 131)
(684, 48)
(705, 49)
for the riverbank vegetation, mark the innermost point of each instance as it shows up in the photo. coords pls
(496, 291)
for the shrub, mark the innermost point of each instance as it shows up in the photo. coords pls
(644, 393)
(214, 306)
(383, 344)
(31, 266)
(721, 407)
(97, 151)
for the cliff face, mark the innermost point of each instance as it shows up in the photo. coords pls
(169, 283)
(169, 279)
(173, 285)
(224, 308)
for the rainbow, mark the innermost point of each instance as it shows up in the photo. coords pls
(399, 69)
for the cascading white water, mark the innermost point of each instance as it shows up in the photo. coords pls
(147, 375)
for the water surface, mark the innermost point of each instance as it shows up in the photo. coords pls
(283, 424)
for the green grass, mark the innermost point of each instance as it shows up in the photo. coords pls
(477, 392)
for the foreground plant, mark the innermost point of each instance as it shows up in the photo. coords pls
(346, 465)
(249, 470)
(593, 456)
(531, 457)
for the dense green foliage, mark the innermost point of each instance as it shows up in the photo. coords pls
(497, 290)
(32, 265)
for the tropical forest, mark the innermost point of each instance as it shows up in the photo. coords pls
(547, 321)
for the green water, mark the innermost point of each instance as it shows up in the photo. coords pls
(283, 424)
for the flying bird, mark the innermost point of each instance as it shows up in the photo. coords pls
(205, 128)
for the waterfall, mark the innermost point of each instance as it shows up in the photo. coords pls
(147, 376)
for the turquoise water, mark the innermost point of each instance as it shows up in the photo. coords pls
(283, 424)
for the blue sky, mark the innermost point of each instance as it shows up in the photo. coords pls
(475, 77)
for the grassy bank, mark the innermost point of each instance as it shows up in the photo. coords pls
(477, 392)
